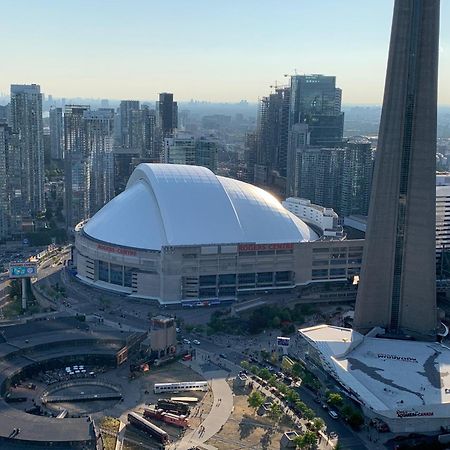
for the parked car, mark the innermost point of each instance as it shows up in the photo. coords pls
(186, 341)
(196, 342)
(333, 414)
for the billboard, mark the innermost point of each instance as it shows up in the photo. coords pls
(283, 341)
(23, 270)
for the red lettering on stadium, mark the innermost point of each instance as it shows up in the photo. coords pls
(120, 251)
(262, 247)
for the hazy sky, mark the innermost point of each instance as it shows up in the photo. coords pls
(218, 50)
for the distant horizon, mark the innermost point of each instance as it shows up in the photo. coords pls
(195, 101)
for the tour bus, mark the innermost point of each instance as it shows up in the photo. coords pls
(160, 388)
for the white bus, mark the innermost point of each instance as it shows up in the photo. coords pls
(160, 388)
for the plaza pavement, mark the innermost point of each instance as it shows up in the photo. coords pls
(222, 405)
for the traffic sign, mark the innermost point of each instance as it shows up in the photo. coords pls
(23, 270)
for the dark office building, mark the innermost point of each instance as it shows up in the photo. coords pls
(125, 161)
(167, 111)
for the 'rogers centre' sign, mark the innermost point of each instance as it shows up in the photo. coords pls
(262, 247)
(118, 250)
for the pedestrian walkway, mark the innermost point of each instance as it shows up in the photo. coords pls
(120, 436)
(220, 411)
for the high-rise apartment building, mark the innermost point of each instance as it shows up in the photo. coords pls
(356, 177)
(99, 132)
(89, 162)
(338, 178)
(167, 113)
(320, 172)
(273, 131)
(4, 113)
(186, 149)
(75, 167)
(151, 148)
(56, 133)
(315, 101)
(442, 212)
(137, 128)
(26, 122)
(397, 290)
(7, 153)
(298, 141)
(139, 140)
(206, 153)
(129, 124)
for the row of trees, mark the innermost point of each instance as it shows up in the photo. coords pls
(256, 400)
(264, 318)
(352, 415)
(306, 440)
(272, 316)
(290, 394)
(309, 380)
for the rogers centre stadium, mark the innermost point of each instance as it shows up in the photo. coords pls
(180, 234)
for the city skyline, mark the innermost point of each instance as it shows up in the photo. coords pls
(217, 54)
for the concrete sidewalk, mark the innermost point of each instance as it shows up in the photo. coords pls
(220, 411)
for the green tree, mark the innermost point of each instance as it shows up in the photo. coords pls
(308, 414)
(334, 399)
(307, 440)
(245, 365)
(275, 412)
(318, 424)
(353, 416)
(301, 406)
(310, 438)
(265, 374)
(255, 399)
(274, 358)
(292, 396)
(297, 370)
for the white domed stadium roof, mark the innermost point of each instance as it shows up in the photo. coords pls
(168, 204)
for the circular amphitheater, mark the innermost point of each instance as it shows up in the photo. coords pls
(82, 396)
